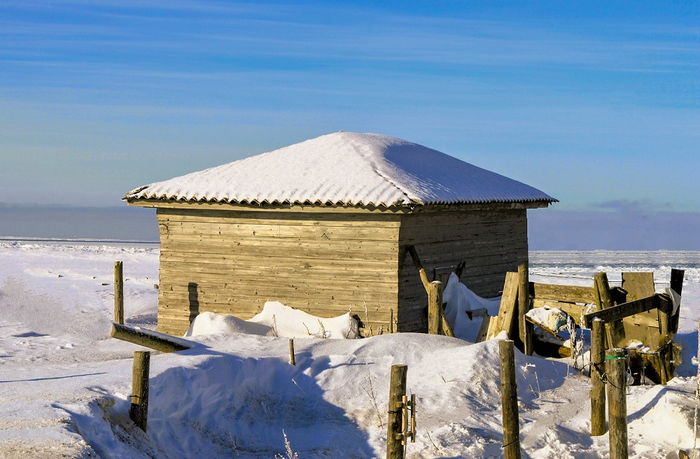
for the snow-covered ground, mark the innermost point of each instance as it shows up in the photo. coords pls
(64, 384)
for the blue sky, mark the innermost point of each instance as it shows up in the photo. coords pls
(595, 103)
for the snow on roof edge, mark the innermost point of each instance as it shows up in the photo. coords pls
(344, 169)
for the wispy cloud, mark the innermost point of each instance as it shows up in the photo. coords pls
(638, 207)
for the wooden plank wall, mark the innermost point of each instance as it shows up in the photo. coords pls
(232, 262)
(492, 242)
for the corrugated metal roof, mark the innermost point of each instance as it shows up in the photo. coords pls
(345, 168)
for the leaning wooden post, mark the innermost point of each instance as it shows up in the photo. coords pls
(139, 398)
(509, 399)
(598, 386)
(434, 307)
(118, 292)
(397, 389)
(617, 402)
(526, 328)
(292, 359)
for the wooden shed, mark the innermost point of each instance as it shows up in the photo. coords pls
(323, 226)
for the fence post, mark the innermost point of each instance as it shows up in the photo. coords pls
(139, 389)
(509, 400)
(434, 307)
(598, 386)
(617, 401)
(526, 328)
(604, 301)
(292, 359)
(397, 389)
(118, 292)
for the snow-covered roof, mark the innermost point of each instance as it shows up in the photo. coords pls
(348, 169)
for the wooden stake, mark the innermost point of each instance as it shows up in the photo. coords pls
(139, 389)
(509, 399)
(526, 328)
(617, 402)
(397, 389)
(292, 359)
(598, 426)
(118, 292)
(434, 307)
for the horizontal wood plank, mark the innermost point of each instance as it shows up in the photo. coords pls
(568, 293)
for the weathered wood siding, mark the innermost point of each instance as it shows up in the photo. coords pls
(232, 262)
(492, 242)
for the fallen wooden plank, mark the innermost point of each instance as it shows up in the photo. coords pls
(149, 338)
(619, 312)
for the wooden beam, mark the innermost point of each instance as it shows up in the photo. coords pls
(568, 293)
(119, 292)
(149, 338)
(526, 329)
(506, 312)
(619, 312)
(419, 266)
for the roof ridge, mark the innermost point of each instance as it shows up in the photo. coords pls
(375, 169)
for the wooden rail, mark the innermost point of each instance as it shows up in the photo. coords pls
(149, 338)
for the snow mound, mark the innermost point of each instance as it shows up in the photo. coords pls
(209, 323)
(276, 319)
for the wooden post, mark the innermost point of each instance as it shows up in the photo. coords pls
(509, 399)
(118, 292)
(397, 389)
(292, 359)
(617, 402)
(677, 286)
(526, 328)
(434, 307)
(139, 389)
(677, 280)
(602, 293)
(598, 386)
